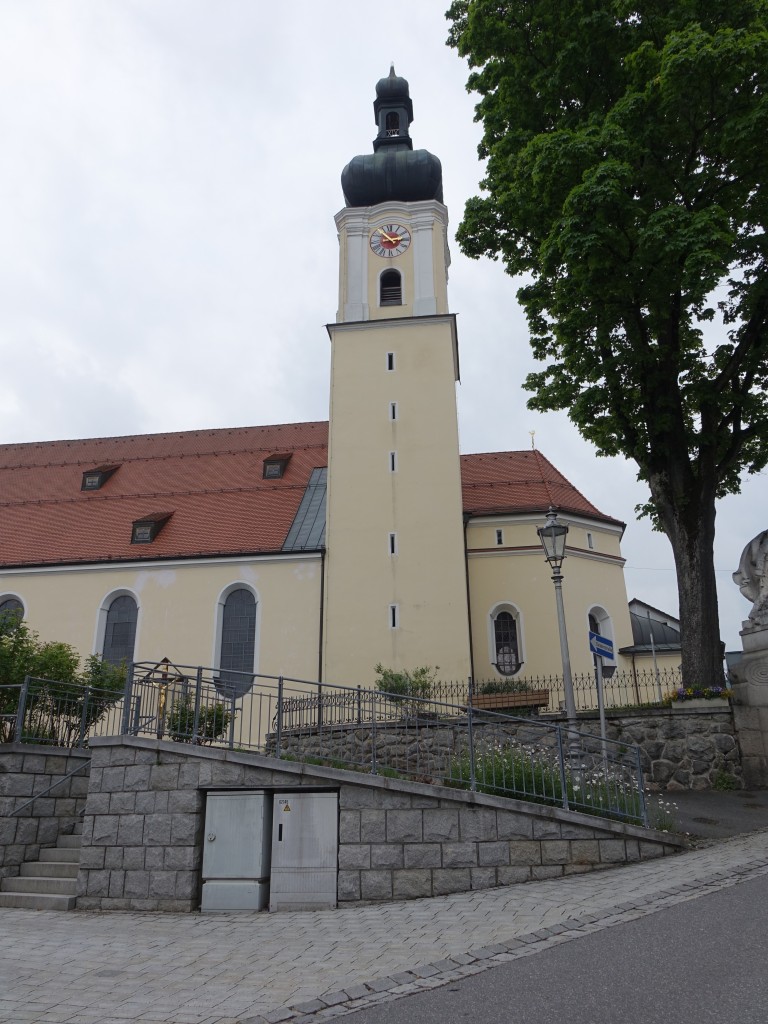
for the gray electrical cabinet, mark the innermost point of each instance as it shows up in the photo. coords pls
(305, 851)
(237, 845)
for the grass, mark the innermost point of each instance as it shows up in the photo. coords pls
(530, 774)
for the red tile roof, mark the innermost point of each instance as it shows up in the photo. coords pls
(212, 481)
(506, 482)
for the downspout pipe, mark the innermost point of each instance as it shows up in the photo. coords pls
(467, 517)
(322, 617)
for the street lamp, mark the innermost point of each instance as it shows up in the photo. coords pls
(552, 537)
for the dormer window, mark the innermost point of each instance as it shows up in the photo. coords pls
(94, 479)
(391, 286)
(275, 465)
(147, 528)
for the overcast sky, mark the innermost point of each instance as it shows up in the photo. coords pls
(169, 173)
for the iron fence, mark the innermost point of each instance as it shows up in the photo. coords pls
(638, 688)
(387, 734)
(56, 713)
(429, 740)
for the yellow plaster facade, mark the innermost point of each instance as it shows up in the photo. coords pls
(180, 607)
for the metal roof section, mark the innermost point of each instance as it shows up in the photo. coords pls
(665, 636)
(395, 171)
(307, 532)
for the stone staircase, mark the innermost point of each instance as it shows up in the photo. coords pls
(49, 883)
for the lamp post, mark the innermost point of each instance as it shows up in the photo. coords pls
(552, 537)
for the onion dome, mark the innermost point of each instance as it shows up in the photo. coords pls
(394, 171)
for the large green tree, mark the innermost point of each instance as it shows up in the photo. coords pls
(627, 175)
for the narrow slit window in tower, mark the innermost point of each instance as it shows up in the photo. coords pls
(393, 410)
(390, 360)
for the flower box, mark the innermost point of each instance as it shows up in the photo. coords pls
(713, 703)
(509, 701)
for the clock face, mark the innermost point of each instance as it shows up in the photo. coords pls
(390, 240)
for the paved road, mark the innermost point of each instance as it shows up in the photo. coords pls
(86, 968)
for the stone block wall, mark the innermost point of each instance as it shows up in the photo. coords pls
(680, 749)
(401, 845)
(26, 770)
(144, 819)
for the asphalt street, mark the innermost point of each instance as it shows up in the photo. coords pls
(700, 961)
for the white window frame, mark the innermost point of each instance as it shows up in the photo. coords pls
(517, 615)
(101, 620)
(605, 622)
(219, 622)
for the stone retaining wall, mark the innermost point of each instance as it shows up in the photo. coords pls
(680, 749)
(143, 829)
(24, 771)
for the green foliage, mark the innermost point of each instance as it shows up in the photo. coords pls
(662, 814)
(64, 701)
(626, 179)
(213, 721)
(534, 775)
(506, 686)
(724, 781)
(413, 686)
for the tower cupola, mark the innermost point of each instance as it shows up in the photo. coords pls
(393, 111)
(395, 171)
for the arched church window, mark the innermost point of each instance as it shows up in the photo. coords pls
(506, 643)
(391, 286)
(11, 611)
(120, 632)
(238, 640)
(393, 124)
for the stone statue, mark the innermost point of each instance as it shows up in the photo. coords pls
(752, 578)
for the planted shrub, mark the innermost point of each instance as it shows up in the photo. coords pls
(212, 722)
(413, 687)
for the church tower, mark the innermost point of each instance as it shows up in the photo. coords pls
(396, 580)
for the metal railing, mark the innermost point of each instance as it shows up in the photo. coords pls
(624, 689)
(59, 714)
(390, 734)
(434, 741)
(54, 785)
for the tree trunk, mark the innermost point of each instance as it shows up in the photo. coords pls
(691, 531)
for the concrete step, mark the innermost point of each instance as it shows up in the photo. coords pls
(36, 901)
(53, 886)
(71, 856)
(69, 842)
(49, 869)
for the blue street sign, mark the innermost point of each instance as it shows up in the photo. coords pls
(601, 645)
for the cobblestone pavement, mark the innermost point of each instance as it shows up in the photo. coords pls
(88, 968)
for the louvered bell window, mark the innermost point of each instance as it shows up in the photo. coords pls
(391, 288)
